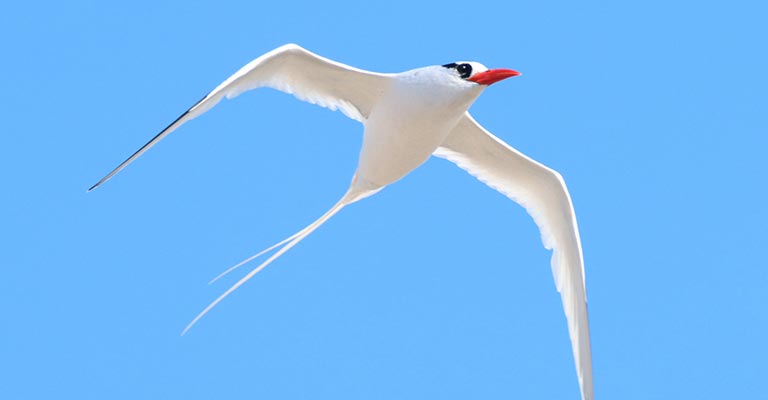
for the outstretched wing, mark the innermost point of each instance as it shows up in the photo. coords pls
(543, 194)
(293, 70)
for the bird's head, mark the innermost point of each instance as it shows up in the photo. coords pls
(478, 73)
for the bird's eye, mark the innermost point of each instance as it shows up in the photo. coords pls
(465, 70)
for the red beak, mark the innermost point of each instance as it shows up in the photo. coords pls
(492, 76)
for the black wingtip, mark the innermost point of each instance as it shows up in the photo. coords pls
(97, 184)
(146, 146)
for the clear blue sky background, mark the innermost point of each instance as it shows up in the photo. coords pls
(438, 287)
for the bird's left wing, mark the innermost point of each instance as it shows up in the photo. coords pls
(293, 70)
(543, 194)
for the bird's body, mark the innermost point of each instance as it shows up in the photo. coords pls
(409, 117)
(425, 110)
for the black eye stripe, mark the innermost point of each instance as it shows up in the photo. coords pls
(464, 70)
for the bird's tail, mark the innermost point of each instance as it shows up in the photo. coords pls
(357, 191)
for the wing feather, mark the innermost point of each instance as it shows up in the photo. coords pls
(542, 192)
(293, 70)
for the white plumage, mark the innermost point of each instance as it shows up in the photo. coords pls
(408, 117)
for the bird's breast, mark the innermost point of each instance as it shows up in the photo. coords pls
(405, 128)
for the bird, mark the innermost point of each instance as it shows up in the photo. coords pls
(409, 117)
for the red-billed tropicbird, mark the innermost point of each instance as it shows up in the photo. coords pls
(408, 117)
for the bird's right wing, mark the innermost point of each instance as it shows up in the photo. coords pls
(543, 194)
(293, 70)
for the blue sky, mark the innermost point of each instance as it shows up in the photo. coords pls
(438, 287)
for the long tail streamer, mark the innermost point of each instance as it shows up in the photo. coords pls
(286, 244)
